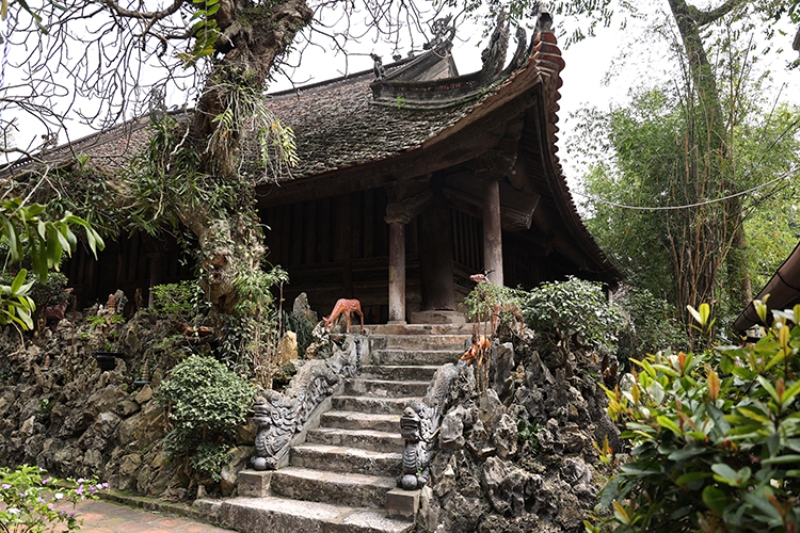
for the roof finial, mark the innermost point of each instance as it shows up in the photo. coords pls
(494, 55)
(377, 67)
(440, 28)
(544, 22)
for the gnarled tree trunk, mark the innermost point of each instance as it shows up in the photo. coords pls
(253, 36)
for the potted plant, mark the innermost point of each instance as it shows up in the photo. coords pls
(107, 358)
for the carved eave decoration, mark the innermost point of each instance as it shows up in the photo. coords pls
(402, 88)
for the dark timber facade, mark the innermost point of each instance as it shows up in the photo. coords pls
(408, 183)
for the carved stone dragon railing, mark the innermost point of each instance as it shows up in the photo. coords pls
(282, 417)
(418, 426)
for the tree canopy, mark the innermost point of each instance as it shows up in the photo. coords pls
(694, 157)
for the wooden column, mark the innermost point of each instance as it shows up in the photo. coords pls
(492, 232)
(397, 269)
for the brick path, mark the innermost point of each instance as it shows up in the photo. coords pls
(106, 517)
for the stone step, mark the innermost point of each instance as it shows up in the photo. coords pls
(366, 404)
(359, 420)
(353, 490)
(427, 358)
(346, 459)
(385, 388)
(399, 372)
(366, 439)
(379, 330)
(420, 342)
(273, 514)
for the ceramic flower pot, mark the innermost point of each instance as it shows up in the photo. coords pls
(106, 360)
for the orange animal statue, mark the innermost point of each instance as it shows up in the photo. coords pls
(344, 306)
(54, 314)
(480, 347)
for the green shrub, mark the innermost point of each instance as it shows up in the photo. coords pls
(206, 402)
(50, 292)
(176, 300)
(714, 437)
(486, 299)
(573, 309)
(650, 325)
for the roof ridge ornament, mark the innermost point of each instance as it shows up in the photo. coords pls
(493, 56)
(544, 23)
(440, 28)
(544, 19)
(377, 67)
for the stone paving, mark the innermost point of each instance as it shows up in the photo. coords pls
(106, 517)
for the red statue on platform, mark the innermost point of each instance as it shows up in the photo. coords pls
(344, 306)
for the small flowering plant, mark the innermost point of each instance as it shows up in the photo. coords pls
(35, 503)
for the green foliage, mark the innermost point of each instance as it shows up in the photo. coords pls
(714, 436)
(650, 325)
(95, 321)
(561, 310)
(164, 178)
(205, 30)
(29, 500)
(176, 300)
(488, 299)
(206, 402)
(51, 292)
(244, 112)
(31, 236)
(211, 458)
(17, 306)
(250, 335)
(45, 407)
(527, 433)
(658, 162)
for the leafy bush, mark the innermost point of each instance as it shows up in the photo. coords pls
(176, 300)
(206, 402)
(51, 292)
(250, 335)
(30, 500)
(574, 309)
(33, 236)
(650, 325)
(488, 301)
(715, 439)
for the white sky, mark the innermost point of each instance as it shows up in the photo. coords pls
(635, 56)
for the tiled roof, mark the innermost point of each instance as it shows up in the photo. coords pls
(338, 126)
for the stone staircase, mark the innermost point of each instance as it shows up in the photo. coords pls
(339, 478)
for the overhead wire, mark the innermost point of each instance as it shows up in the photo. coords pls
(786, 175)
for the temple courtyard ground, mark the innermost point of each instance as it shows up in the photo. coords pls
(107, 517)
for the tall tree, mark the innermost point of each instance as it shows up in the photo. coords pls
(652, 223)
(701, 238)
(223, 51)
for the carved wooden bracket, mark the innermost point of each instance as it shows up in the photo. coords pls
(516, 207)
(405, 210)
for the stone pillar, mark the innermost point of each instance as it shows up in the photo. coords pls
(397, 269)
(492, 232)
